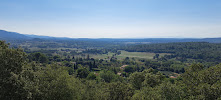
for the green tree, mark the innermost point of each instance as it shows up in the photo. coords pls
(82, 72)
(170, 91)
(11, 66)
(54, 83)
(38, 57)
(203, 83)
(91, 76)
(129, 69)
(153, 80)
(147, 93)
(119, 91)
(107, 76)
(136, 79)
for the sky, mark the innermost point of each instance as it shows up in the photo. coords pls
(113, 18)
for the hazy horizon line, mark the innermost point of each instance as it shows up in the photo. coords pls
(167, 37)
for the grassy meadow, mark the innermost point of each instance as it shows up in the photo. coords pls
(124, 54)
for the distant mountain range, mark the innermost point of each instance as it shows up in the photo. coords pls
(5, 35)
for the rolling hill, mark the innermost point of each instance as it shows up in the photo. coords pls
(5, 35)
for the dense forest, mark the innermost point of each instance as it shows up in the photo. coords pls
(193, 50)
(187, 71)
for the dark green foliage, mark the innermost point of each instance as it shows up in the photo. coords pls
(70, 71)
(119, 91)
(82, 72)
(152, 79)
(11, 66)
(52, 83)
(107, 76)
(156, 56)
(56, 58)
(204, 83)
(171, 91)
(57, 84)
(62, 78)
(38, 57)
(136, 79)
(91, 76)
(129, 69)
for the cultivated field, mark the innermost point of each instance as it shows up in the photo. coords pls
(124, 54)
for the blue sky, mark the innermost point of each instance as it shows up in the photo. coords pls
(113, 18)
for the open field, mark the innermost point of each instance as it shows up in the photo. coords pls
(144, 55)
(124, 54)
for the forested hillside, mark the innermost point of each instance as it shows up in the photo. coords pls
(37, 75)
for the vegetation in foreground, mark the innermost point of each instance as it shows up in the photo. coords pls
(38, 76)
